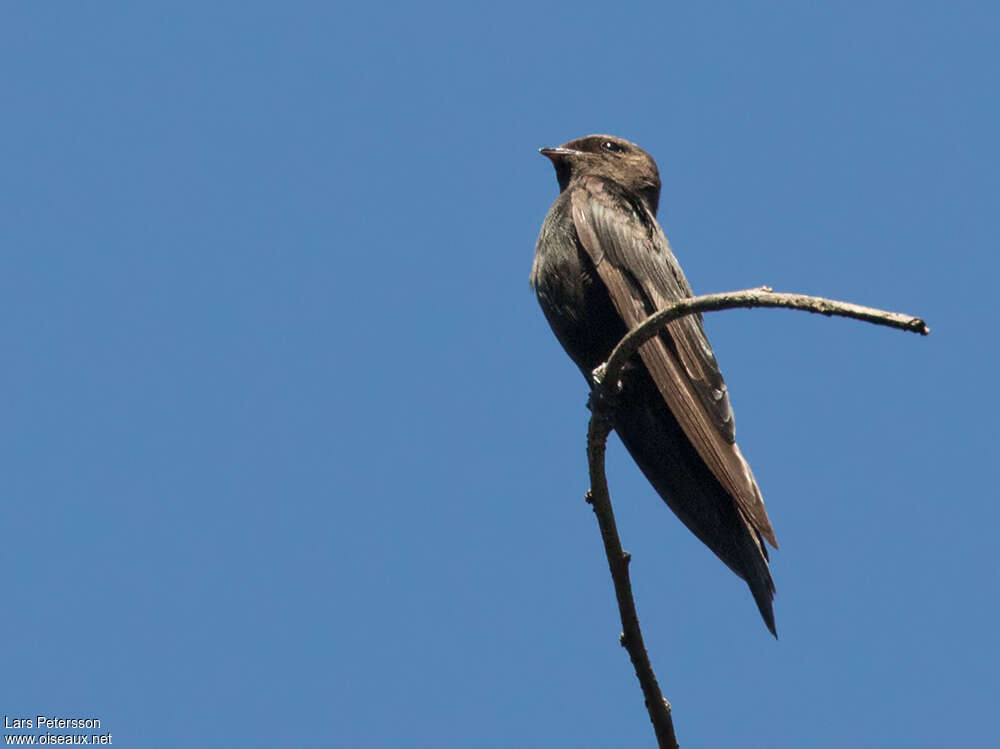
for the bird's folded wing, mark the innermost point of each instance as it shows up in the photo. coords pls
(634, 260)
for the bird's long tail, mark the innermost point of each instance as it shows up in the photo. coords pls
(672, 465)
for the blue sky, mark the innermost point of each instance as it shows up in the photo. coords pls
(290, 457)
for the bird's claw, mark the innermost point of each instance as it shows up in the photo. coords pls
(603, 401)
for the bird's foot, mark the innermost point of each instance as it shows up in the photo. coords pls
(604, 401)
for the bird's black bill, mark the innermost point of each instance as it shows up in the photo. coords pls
(550, 153)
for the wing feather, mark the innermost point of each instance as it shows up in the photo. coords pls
(635, 263)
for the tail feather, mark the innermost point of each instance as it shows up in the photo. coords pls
(670, 462)
(757, 575)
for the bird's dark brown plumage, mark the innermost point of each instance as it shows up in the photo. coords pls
(602, 265)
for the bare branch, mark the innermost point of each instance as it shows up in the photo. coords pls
(618, 561)
(600, 427)
(759, 297)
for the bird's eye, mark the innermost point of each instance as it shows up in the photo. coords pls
(610, 145)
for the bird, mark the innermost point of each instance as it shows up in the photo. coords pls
(602, 265)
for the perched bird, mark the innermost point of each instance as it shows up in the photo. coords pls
(602, 265)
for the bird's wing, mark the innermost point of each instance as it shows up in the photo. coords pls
(634, 260)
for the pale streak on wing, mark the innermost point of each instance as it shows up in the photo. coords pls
(626, 255)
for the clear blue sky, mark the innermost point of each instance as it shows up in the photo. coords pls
(289, 456)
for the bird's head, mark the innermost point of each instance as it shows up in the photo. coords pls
(610, 158)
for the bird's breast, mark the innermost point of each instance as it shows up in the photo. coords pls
(572, 295)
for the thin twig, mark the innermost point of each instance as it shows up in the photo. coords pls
(600, 427)
(618, 561)
(759, 297)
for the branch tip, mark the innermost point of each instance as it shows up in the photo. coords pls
(762, 296)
